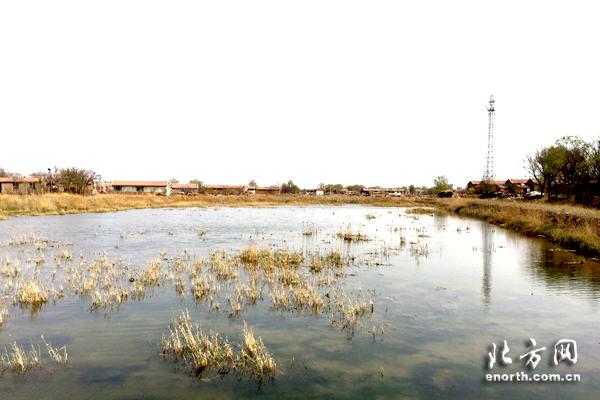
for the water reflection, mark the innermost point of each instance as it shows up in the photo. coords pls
(563, 271)
(487, 248)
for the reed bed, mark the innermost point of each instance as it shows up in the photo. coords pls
(287, 280)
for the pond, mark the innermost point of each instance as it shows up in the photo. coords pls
(411, 311)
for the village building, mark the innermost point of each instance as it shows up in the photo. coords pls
(472, 186)
(519, 187)
(149, 187)
(382, 192)
(314, 192)
(267, 190)
(20, 185)
(184, 188)
(224, 189)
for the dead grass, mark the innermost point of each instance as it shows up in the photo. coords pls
(350, 236)
(201, 352)
(19, 360)
(59, 204)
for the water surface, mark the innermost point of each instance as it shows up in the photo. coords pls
(444, 288)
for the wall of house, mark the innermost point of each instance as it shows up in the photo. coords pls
(6, 187)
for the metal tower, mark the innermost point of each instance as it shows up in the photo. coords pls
(488, 173)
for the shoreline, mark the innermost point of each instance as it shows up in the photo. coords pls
(573, 227)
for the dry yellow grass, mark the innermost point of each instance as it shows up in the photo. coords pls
(200, 351)
(58, 204)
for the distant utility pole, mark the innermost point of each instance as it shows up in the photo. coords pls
(488, 173)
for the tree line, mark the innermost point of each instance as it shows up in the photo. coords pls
(569, 169)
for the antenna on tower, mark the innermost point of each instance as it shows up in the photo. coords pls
(488, 173)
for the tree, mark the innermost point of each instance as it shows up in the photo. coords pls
(174, 180)
(545, 166)
(355, 188)
(333, 188)
(252, 183)
(78, 181)
(441, 184)
(570, 168)
(289, 187)
(199, 183)
(3, 173)
(576, 152)
(412, 189)
(594, 162)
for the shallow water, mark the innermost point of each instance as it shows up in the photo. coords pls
(442, 297)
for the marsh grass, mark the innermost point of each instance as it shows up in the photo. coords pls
(426, 211)
(187, 343)
(58, 355)
(291, 281)
(19, 360)
(32, 293)
(350, 236)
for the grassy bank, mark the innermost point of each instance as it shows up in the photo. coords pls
(58, 204)
(572, 227)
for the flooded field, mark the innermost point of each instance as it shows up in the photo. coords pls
(285, 302)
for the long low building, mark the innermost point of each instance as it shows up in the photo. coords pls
(393, 192)
(152, 187)
(184, 188)
(224, 189)
(24, 185)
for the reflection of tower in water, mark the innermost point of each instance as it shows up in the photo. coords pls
(487, 247)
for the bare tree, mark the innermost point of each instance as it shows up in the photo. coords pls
(78, 181)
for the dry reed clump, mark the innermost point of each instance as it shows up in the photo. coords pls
(32, 293)
(419, 249)
(223, 266)
(332, 259)
(421, 210)
(309, 229)
(269, 259)
(32, 240)
(254, 356)
(304, 297)
(9, 268)
(19, 360)
(151, 275)
(186, 342)
(349, 236)
(58, 355)
(348, 310)
(66, 255)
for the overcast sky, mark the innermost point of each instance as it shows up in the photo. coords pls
(375, 92)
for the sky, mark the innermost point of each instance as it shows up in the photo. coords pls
(387, 93)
